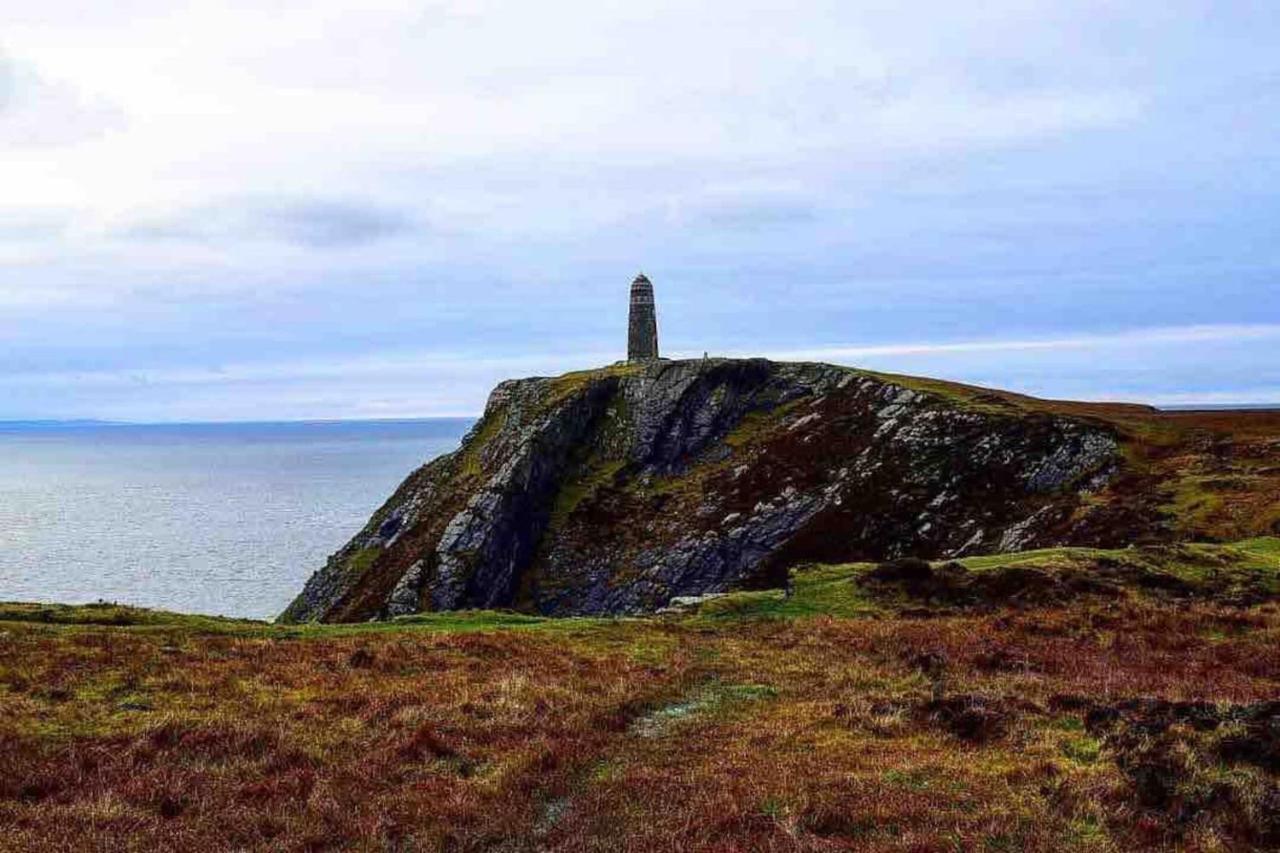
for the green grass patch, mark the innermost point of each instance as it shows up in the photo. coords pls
(1267, 547)
(1082, 749)
(361, 560)
(469, 462)
(119, 615)
(568, 384)
(1258, 559)
(916, 779)
(1043, 558)
(817, 591)
(1089, 832)
(1193, 502)
(756, 425)
(576, 491)
(69, 616)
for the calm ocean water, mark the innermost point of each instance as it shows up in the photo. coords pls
(206, 518)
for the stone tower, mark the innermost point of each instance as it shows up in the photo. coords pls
(642, 330)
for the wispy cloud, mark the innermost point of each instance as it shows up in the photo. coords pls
(1092, 342)
(408, 383)
(37, 112)
(310, 223)
(18, 226)
(330, 224)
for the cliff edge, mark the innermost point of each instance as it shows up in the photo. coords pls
(611, 491)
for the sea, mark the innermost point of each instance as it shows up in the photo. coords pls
(220, 519)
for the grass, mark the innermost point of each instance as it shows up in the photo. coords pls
(971, 396)
(576, 491)
(757, 424)
(361, 560)
(761, 721)
(568, 384)
(833, 590)
(469, 465)
(1193, 502)
(1257, 559)
(817, 591)
(109, 613)
(1267, 547)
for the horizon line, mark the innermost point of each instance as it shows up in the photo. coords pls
(115, 422)
(54, 423)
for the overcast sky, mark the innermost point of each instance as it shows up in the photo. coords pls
(254, 210)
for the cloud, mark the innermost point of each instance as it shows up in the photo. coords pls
(238, 182)
(37, 112)
(335, 224)
(1091, 342)
(292, 96)
(23, 225)
(744, 212)
(308, 223)
(414, 382)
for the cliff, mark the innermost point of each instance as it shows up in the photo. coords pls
(614, 490)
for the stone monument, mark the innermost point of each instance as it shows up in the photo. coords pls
(642, 328)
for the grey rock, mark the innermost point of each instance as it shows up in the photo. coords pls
(616, 491)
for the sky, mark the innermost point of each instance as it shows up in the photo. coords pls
(287, 210)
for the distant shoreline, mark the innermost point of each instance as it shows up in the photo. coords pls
(35, 425)
(1221, 407)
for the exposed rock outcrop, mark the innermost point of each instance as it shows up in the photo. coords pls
(613, 491)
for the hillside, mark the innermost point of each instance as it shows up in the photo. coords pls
(1052, 700)
(615, 490)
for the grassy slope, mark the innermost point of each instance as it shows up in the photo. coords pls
(1216, 473)
(759, 722)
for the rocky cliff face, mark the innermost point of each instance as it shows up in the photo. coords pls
(612, 491)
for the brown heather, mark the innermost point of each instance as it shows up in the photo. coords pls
(850, 716)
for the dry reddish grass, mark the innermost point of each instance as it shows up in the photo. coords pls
(808, 734)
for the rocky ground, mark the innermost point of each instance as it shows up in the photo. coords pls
(1068, 699)
(613, 491)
